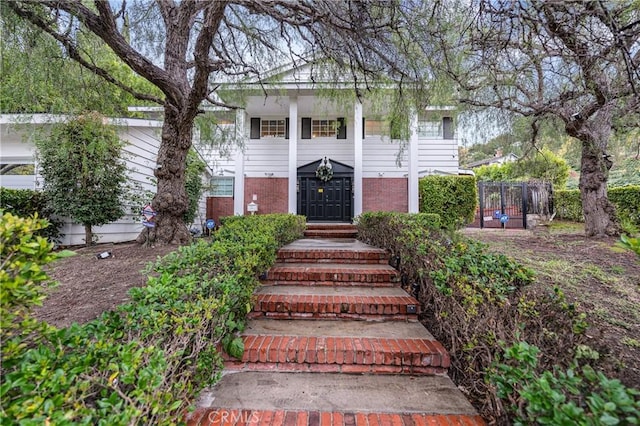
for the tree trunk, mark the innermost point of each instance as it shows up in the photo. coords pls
(88, 235)
(599, 214)
(171, 200)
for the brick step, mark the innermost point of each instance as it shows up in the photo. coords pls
(373, 256)
(293, 302)
(340, 346)
(331, 251)
(236, 416)
(331, 233)
(341, 355)
(332, 274)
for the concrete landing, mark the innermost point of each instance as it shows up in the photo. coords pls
(337, 393)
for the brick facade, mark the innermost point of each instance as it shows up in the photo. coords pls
(379, 194)
(385, 194)
(272, 194)
(218, 207)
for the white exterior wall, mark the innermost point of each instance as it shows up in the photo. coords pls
(270, 155)
(437, 156)
(142, 140)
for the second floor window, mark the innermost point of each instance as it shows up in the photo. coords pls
(272, 128)
(324, 128)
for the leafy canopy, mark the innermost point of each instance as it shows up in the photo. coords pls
(83, 170)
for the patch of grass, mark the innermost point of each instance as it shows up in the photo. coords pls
(631, 342)
(563, 227)
(618, 270)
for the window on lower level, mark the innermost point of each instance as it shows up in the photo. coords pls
(221, 186)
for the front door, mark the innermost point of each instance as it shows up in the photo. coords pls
(326, 201)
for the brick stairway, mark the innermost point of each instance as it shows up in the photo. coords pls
(332, 305)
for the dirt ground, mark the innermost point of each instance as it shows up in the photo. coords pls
(89, 286)
(603, 278)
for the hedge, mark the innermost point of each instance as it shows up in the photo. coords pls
(513, 346)
(452, 198)
(27, 202)
(626, 199)
(145, 362)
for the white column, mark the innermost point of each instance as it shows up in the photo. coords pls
(413, 163)
(238, 188)
(357, 166)
(293, 154)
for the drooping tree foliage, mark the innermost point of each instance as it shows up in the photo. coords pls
(185, 48)
(83, 170)
(573, 61)
(39, 77)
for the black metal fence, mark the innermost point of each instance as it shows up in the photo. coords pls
(506, 204)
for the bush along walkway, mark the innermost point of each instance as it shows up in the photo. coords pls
(333, 339)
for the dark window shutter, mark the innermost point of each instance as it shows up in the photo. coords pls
(447, 127)
(306, 128)
(286, 128)
(342, 128)
(364, 121)
(255, 128)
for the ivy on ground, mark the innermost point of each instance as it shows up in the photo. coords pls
(477, 304)
(145, 362)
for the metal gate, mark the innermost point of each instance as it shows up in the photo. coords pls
(502, 205)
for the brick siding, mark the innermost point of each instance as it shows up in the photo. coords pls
(385, 194)
(272, 194)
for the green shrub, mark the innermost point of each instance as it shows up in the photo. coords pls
(28, 202)
(577, 395)
(22, 281)
(145, 362)
(627, 202)
(626, 199)
(452, 198)
(470, 300)
(193, 184)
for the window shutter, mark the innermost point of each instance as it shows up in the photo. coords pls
(255, 128)
(306, 128)
(286, 128)
(447, 128)
(364, 121)
(342, 128)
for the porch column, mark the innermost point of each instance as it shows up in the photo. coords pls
(357, 164)
(238, 182)
(413, 163)
(293, 154)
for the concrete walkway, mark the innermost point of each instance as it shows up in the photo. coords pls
(334, 340)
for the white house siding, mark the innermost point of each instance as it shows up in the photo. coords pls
(437, 156)
(142, 140)
(380, 158)
(266, 155)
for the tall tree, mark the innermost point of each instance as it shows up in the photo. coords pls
(191, 44)
(576, 61)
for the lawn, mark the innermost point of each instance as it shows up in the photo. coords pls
(597, 274)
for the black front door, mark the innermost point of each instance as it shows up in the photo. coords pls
(326, 201)
(330, 201)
